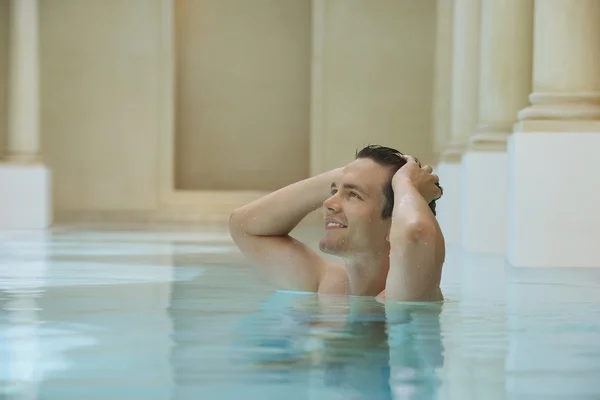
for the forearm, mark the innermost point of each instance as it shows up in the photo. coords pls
(416, 248)
(278, 213)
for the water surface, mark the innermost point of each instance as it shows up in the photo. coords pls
(150, 314)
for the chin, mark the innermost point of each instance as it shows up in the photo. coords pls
(333, 248)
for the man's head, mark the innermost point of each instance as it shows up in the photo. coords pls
(391, 158)
(362, 202)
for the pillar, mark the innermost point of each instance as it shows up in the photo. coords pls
(465, 71)
(24, 180)
(553, 219)
(504, 85)
(442, 80)
(24, 93)
(463, 109)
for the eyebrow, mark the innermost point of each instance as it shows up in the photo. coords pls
(351, 186)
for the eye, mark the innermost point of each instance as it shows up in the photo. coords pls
(333, 191)
(354, 194)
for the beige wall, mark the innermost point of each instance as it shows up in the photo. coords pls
(243, 73)
(100, 101)
(244, 92)
(377, 73)
(4, 18)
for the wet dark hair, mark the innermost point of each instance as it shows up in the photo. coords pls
(387, 157)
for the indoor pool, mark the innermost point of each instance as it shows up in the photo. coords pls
(178, 314)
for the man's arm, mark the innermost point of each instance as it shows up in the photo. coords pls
(261, 231)
(417, 247)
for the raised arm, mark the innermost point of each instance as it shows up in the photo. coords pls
(417, 247)
(261, 230)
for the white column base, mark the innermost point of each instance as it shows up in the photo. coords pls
(448, 207)
(554, 186)
(25, 197)
(484, 203)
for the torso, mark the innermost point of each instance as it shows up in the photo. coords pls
(334, 279)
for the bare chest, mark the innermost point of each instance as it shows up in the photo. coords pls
(334, 281)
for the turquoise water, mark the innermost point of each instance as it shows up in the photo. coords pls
(132, 314)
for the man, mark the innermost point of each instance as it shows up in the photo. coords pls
(379, 219)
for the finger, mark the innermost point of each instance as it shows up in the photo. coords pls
(428, 168)
(441, 192)
(410, 158)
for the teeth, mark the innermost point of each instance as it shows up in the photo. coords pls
(331, 224)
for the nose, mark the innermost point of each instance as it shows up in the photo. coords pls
(331, 205)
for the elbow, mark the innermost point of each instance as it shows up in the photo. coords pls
(422, 231)
(234, 216)
(236, 222)
(417, 231)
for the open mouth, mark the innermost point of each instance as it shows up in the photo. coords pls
(334, 225)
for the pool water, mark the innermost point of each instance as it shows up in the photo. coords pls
(140, 313)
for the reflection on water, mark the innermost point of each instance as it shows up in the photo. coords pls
(174, 319)
(343, 347)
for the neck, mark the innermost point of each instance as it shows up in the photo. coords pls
(367, 273)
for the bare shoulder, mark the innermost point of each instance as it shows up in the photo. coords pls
(283, 261)
(334, 279)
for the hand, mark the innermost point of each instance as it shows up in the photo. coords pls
(422, 178)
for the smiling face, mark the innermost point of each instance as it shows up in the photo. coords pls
(353, 211)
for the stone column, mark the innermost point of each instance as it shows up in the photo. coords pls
(443, 76)
(504, 84)
(463, 111)
(566, 75)
(554, 174)
(465, 72)
(23, 84)
(24, 180)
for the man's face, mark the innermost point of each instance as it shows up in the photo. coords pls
(356, 202)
